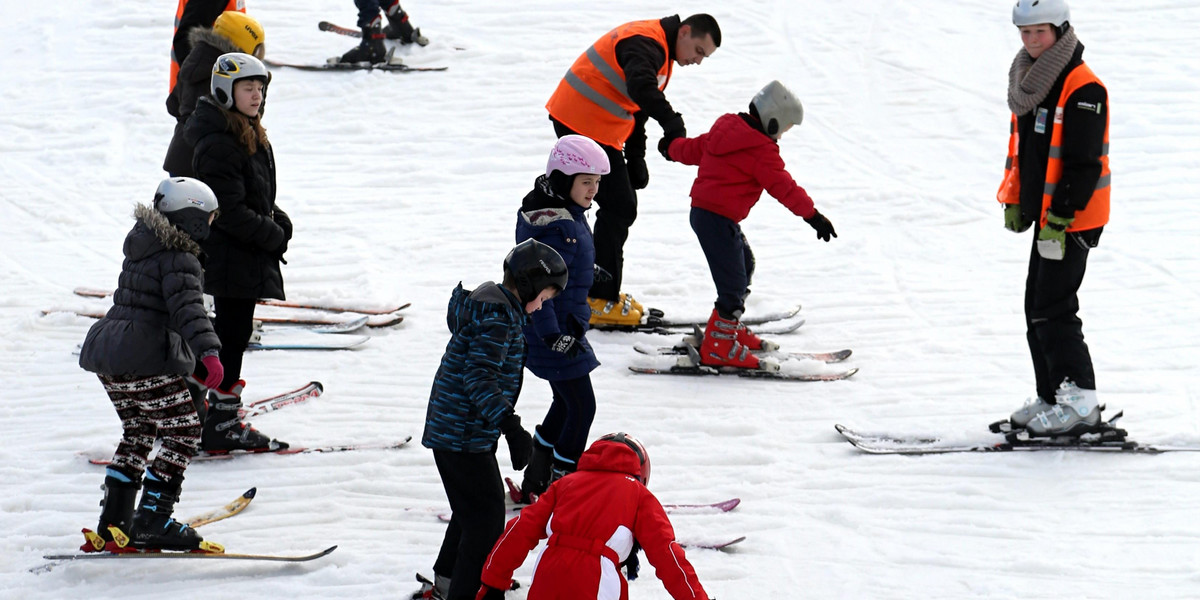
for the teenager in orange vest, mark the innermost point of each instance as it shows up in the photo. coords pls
(1056, 176)
(607, 95)
(195, 13)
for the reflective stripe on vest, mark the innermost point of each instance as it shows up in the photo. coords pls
(1097, 210)
(238, 5)
(592, 98)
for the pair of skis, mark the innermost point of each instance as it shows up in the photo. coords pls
(688, 362)
(391, 64)
(235, 507)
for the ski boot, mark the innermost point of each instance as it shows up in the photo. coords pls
(614, 313)
(751, 340)
(721, 347)
(537, 472)
(371, 49)
(1075, 412)
(120, 495)
(224, 429)
(399, 28)
(561, 467)
(432, 590)
(154, 529)
(199, 394)
(625, 299)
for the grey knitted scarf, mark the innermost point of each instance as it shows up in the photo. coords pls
(1030, 80)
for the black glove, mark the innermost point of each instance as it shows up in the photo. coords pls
(673, 128)
(633, 564)
(600, 274)
(664, 148)
(639, 176)
(520, 443)
(487, 592)
(563, 344)
(280, 251)
(822, 225)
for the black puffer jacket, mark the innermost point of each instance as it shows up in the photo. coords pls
(157, 325)
(195, 75)
(251, 233)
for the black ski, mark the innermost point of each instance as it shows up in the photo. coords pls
(768, 324)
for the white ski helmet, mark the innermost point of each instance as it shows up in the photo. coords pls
(187, 204)
(777, 107)
(1036, 12)
(232, 68)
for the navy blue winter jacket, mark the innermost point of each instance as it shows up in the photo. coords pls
(477, 384)
(562, 225)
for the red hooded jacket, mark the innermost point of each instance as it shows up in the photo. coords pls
(737, 162)
(592, 517)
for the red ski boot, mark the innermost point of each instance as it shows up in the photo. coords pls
(751, 340)
(721, 347)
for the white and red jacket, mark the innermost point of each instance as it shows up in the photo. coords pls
(592, 518)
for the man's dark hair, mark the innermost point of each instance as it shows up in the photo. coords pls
(703, 24)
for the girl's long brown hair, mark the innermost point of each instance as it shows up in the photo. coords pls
(249, 132)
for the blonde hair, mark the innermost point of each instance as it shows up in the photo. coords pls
(249, 132)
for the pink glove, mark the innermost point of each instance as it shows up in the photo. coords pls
(216, 371)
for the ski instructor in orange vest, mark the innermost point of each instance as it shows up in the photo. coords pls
(1056, 177)
(607, 95)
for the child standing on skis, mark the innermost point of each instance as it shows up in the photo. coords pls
(142, 350)
(473, 402)
(738, 159)
(555, 213)
(593, 518)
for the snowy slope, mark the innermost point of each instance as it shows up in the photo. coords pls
(401, 185)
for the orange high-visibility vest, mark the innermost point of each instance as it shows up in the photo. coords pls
(592, 100)
(238, 5)
(1096, 213)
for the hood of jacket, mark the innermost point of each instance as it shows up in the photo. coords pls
(731, 133)
(607, 455)
(207, 119)
(489, 298)
(153, 233)
(205, 35)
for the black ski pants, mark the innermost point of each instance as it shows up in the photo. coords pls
(476, 495)
(730, 260)
(617, 202)
(569, 419)
(1052, 325)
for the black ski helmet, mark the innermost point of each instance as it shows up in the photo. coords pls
(637, 447)
(532, 267)
(187, 204)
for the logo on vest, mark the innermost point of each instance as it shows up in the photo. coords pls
(1090, 107)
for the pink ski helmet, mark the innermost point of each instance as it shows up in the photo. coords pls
(574, 155)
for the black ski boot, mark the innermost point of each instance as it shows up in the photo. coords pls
(561, 468)
(399, 28)
(154, 529)
(537, 472)
(224, 429)
(116, 510)
(199, 396)
(370, 50)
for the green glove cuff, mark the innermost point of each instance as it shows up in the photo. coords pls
(1057, 222)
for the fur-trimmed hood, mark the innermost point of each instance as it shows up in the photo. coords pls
(155, 233)
(205, 35)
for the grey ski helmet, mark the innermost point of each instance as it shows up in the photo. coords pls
(1036, 12)
(777, 107)
(230, 69)
(187, 204)
(532, 267)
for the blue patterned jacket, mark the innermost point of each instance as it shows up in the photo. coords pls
(481, 372)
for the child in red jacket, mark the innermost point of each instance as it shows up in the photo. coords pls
(592, 517)
(738, 159)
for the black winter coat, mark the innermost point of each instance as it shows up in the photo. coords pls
(195, 75)
(157, 325)
(251, 233)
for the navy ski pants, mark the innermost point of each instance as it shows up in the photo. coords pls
(730, 260)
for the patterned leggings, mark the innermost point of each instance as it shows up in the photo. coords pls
(158, 407)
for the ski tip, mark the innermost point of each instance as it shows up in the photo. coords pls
(328, 550)
(249, 495)
(729, 504)
(320, 387)
(840, 428)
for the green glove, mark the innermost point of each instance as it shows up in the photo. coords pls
(1012, 218)
(1052, 239)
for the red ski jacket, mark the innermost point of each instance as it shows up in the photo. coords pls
(592, 518)
(737, 162)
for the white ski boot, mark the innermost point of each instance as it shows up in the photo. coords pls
(1076, 411)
